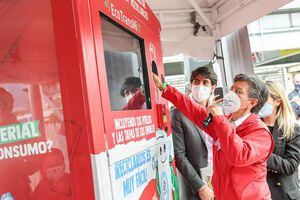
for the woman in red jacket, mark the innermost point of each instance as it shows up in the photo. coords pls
(242, 143)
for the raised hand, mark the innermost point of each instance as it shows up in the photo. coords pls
(158, 83)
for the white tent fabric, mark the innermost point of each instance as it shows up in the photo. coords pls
(217, 18)
(237, 54)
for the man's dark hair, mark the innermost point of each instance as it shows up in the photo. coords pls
(257, 89)
(131, 84)
(207, 72)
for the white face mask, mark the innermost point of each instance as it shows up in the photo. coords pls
(266, 110)
(128, 97)
(231, 103)
(200, 93)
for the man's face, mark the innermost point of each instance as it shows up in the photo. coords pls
(241, 88)
(201, 80)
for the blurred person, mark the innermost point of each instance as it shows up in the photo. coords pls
(192, 147)
(55, 183)
(131, 90)
(242, 142)
(6, 108)
(294, 96)
(14, 180)
(296, 91)
(284, 161)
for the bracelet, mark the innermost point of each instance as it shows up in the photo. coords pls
(163, 86)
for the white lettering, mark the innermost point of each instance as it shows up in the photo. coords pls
(11, 130)
(122, 17)
(23, 150)
(3, 135)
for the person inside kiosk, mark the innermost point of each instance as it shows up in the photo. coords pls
(131, 90)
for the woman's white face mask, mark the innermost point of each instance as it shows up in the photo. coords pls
(200, 93)
(266, 110)
(231, 103)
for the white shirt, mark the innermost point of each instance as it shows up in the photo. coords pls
(240, 120)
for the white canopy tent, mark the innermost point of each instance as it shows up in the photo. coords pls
(192, 26)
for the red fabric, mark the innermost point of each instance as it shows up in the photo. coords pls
(15, 180)
(240, 164)
(137, 102)
(53, 191)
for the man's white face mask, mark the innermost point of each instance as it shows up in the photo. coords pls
(200, 93)
(231, 103)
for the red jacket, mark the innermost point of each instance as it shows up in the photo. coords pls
(137, 102)
(241, 158)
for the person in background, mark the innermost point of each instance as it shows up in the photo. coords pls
(294, 96)
(132, 92)
(192, 147)
(14, 171)
(242, 142)
(284, 161)
(55, 182)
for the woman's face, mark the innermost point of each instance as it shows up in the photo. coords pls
(274, 101)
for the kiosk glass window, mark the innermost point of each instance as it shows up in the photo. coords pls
(34, 160)
(125, 68)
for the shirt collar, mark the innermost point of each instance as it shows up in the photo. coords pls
(239, 121)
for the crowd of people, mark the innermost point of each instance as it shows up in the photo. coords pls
(252, 136)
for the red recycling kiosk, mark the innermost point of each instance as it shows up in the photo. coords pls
(79, 115)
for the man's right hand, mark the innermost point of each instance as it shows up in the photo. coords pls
(205, 193)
